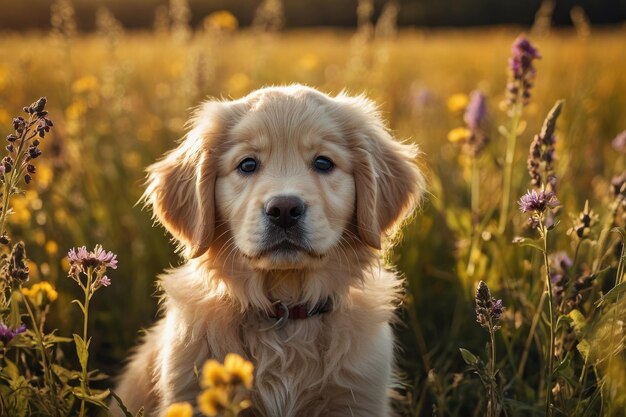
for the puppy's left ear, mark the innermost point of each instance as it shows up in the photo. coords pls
(389, 183)
(181, 186)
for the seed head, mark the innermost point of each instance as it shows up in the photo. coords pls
(488, 310)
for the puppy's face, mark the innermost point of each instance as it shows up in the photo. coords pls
(284, 186)
(285, 178)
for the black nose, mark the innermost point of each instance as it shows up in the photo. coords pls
(284, 211)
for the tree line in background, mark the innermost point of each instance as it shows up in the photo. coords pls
(141, 14)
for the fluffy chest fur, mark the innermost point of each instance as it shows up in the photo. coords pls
(335, 362)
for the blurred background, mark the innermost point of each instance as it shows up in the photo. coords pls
(121, 77)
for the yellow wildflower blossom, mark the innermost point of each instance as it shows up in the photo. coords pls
(240, 370)
(52, 247)
(457, 102)
(41, 293)
(213, 401)
(214, 374)
(179, 410)
(221, 20)
(85, 84)
(459, 134)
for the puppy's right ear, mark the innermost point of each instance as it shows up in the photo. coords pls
(181, 186)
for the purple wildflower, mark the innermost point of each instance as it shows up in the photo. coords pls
(6, 333)
(104, 281)
(488, 310)
(619, 143)
(522, 71)
(81, 259)
(476, 110)
(537, 201)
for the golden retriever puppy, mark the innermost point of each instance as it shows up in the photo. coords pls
(280, 202)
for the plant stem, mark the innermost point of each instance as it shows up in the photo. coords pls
(508, 165)
(44, 358)
(491, 412)
(544, 234)
(83, 380)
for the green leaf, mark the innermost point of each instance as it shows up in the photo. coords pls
(81, 350)
(578, 321)
(97, 399)
(82, 307)
(533, 243)
(612, 295)
(469, 357)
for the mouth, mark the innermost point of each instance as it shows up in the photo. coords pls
(287, 248)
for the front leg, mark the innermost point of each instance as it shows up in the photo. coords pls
(369, 378)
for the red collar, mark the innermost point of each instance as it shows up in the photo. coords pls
(299, 311)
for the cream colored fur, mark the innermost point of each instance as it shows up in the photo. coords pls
(335, 364)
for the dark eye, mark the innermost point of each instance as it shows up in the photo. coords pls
(323, 164)
(247, 166)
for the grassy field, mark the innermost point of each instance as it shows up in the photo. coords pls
(120, 100)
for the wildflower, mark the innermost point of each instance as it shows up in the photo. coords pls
(6, 333)
(476, 110)
(457, 102)
(537, 201)
(474, 117)
(214, 374)
(41, 293)
(214, 401)
(619, 143)
(522, 71)
(222, 20)
(82, 260)
(104, 281)
(459, 134)
(488, 310)
(586, 219)
(541, 154)
(179, 410)
(241, 370)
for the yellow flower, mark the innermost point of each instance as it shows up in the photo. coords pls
(459, 134)
(85, 84)
(41, 293)
(52, 247)
(213, 401)
(457, 102)
(221, 20)
(179, 410)
(240, 370)
(214, 374)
